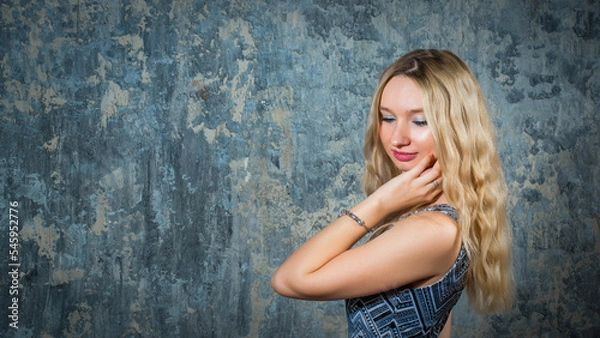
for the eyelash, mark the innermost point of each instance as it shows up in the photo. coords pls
(392, 119)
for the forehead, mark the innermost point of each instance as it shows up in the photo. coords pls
(401, 93)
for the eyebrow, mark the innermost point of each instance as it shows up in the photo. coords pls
(412, 111)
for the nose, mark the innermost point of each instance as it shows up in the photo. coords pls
(400, 135)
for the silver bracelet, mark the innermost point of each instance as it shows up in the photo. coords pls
(355, 218)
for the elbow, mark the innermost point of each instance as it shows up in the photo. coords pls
(279, 284)
(288, 286)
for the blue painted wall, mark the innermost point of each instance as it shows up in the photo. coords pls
(166, 156)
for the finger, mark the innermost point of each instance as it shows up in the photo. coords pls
(431, 172)
(438, 170)
(433, 177)
(437, 183)
(423, 165)
(436, 165)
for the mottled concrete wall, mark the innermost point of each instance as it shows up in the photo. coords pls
(167, 156)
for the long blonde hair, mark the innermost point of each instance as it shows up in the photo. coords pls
(473, 180)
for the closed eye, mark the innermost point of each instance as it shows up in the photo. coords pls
(388, 118)
(420, 123)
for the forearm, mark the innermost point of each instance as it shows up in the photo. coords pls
(292, 279)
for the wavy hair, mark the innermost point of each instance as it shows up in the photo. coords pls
(473, 180)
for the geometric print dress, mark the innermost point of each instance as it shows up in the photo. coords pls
(417, 312)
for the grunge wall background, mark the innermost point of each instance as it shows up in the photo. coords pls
(166, 156)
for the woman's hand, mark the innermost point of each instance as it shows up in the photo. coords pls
(412, 188)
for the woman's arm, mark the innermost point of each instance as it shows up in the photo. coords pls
(446, 331)
(325, 267)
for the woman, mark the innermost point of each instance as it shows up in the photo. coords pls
(436, 194)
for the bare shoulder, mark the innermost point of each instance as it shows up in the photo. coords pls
(435, 239)
(439, 221)
(444, 226)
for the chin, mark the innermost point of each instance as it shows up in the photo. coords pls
(404, 167)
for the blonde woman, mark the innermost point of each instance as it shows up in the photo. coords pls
(435, 200)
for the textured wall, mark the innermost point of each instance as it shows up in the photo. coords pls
(167, 156)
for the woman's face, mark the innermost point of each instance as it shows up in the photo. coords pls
(403, 131)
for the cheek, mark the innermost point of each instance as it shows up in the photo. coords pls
(385, 132)
(428, 141)
(425, 140)
(382, 134)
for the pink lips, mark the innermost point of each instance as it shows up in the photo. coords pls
(404, 157)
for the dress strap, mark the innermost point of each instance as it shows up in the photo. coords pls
(444, 208)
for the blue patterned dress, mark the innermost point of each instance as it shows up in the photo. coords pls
(419, 312)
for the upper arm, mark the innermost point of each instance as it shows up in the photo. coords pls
(416, 249)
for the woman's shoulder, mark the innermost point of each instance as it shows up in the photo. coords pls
(443, 208)
(437, 234)
(442, 222)
(441, 214)
(436, 217)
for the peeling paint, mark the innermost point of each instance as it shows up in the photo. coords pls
(51, 144)
(100, 224)
(65, 276)
(44, 236)
(113, 98)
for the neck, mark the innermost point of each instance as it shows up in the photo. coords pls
(440, 200)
